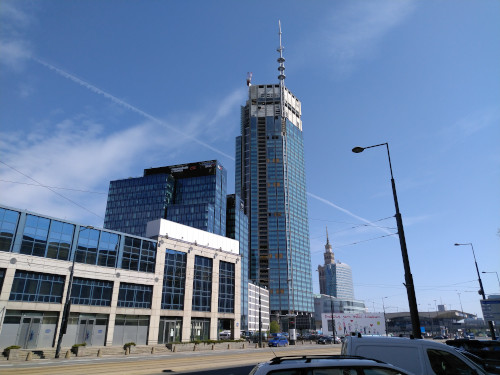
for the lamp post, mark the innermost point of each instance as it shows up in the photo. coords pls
(410, 288)
(461, 307)
(67, 303)
(333, 322)
(481, 289)
(495, 273)
(385, 321)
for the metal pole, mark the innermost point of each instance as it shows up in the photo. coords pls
(385, 320)
(410, 288)
(481, 289)
(333, 322)
(67, 303)
(498, 279)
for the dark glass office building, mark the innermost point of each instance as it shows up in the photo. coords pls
(237, 228)
(270, 178)
(192, 194)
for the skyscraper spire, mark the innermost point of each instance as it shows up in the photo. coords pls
(281, 60)
(329, 256)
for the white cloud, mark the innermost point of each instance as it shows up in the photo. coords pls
(469, 125)
(353, 31)
(15, 50)
(79, 153)
(14, 54)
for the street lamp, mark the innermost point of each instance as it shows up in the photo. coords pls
(463, 315)
(481, 289)
(385, 320)
(410, 288)
(67, 303)
(493, 272)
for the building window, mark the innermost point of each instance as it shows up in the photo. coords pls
(86, 251)
(37, 287)
(174, 280)
(35, 235)
(8, 224)
(226, 287)
(139, 255)
(97, 247)
(109, 244)
(135, 295)
(91, 292)
(60, 239)
(202, 283)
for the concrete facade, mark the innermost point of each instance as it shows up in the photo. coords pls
(37, 324)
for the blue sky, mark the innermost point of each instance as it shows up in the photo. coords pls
(93, 91)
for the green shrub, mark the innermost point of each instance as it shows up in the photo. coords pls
(7, 349)
(128, 345)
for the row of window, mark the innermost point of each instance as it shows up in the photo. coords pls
(54, 239)
(39, 287)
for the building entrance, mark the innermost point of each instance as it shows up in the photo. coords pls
(170, 331)
(29, 331)
(85, 330)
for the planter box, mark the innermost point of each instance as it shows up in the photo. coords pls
(80, 351)
(13, 354)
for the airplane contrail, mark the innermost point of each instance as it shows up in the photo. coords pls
(130, 107)
(126, 105)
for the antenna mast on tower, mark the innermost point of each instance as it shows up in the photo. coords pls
(281, 78)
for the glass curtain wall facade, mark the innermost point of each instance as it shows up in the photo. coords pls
(102, 293)
(270, 178)
(191, 194)
(237, 228)
(133, 202)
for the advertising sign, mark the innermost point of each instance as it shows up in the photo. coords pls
(491, 309)
(345, 324)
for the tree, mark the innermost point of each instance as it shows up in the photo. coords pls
(274, 327)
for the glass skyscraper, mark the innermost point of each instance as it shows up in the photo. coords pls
(192, 194)
(270, 178)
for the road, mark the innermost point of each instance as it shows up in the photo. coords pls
(233, 362)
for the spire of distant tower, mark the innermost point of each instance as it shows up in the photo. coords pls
(329, 256)
(281, 60)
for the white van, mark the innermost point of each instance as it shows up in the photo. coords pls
(225, 335)
(421, 357)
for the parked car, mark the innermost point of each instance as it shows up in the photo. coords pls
(422, 357)
(333, 364)
(491, 366)
(278, 341)
(325, 340)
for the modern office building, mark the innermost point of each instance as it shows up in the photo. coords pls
(335, 278)
(192, 194)
(258, 299)
(177, 284)
(237, 228)
(326, 304)
(270, 178)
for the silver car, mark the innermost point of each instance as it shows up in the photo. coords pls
(325, 365)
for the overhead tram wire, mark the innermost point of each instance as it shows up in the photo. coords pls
(52, 190)
(357, 242)
(54, 187)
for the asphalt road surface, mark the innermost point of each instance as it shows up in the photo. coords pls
(230, 362)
